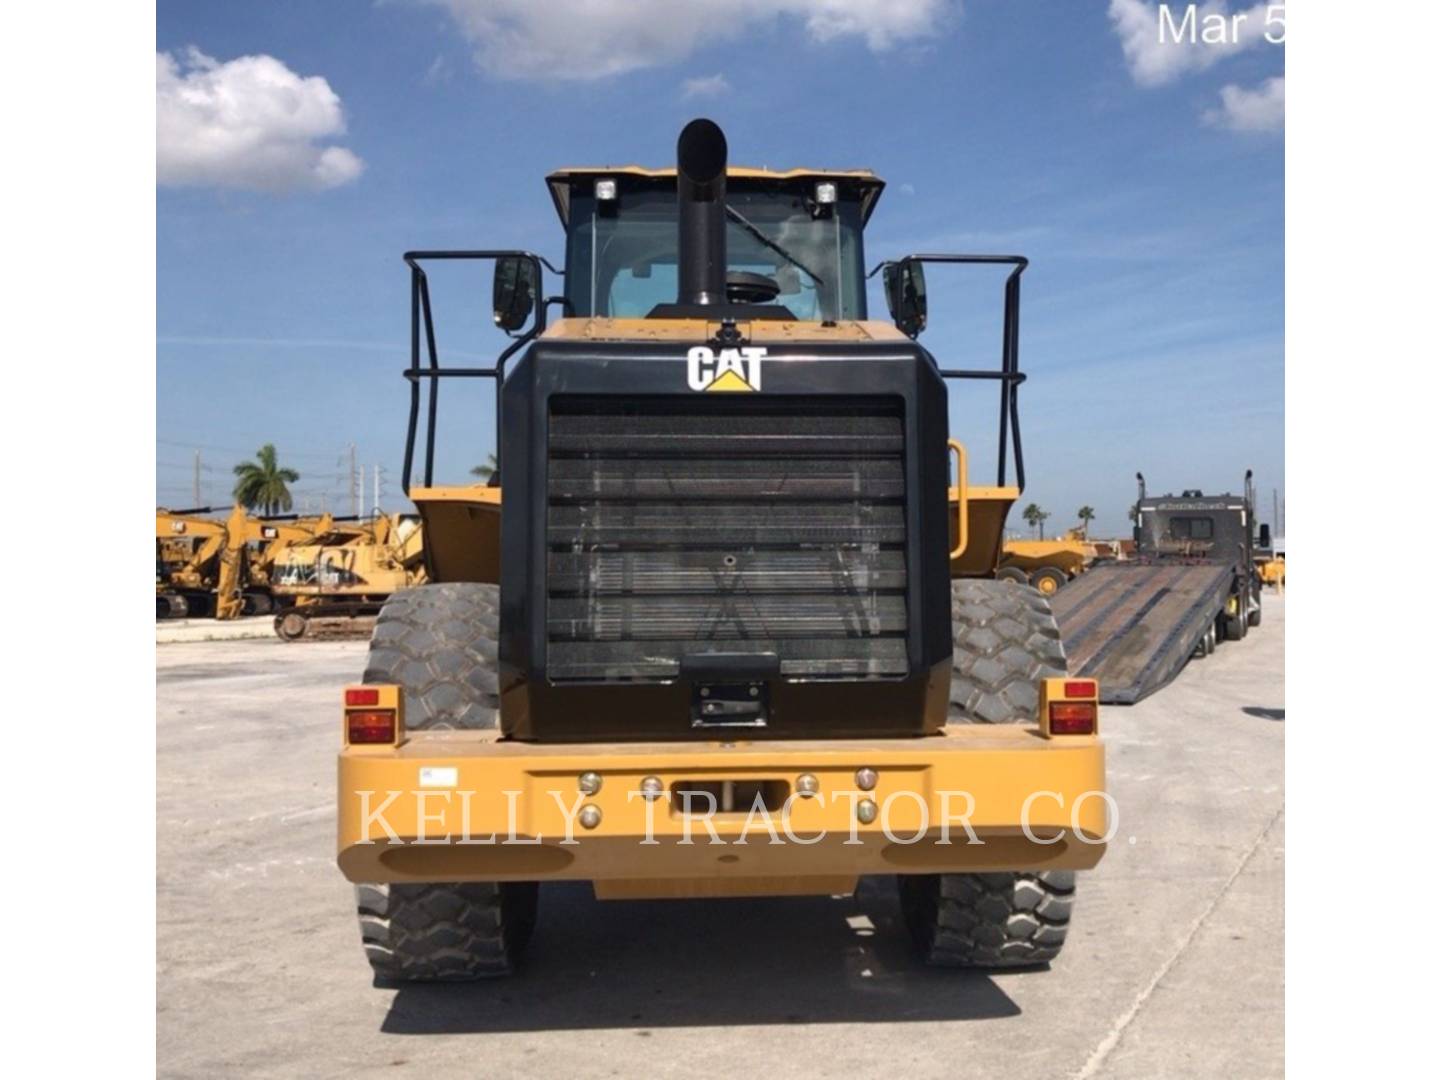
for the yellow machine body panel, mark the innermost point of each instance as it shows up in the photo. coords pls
(986, 509)
(1070, 556)
(462, 532)
(436, 808)
(367, 558)
(690, 331)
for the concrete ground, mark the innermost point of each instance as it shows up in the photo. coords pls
(188, 631)
(1174, 965)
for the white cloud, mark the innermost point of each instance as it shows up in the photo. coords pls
(528, 39)
(248, 123)
(1261, 109)
(1155, 60)
(705, 86)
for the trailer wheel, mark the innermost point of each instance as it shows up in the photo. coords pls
(1012, 574)
(439, 643)
(445, 933)
(1235, 627)
(1253, 619)
(1005, 642)
(1048, 580)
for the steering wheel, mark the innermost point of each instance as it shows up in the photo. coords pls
(743, 287)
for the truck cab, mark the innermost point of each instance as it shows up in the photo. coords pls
(1193, 527)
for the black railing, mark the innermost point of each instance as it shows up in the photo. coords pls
(422, 319)
(1009, 375)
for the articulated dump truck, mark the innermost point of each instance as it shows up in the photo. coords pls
(725, 626)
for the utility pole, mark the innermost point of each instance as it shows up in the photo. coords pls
(196, 491)
(375, 480)
(361, 477)
(354, 484)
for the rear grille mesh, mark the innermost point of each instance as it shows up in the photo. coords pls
(683, 527)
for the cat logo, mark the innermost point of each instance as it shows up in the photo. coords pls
(732, 371)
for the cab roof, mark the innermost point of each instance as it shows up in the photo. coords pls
(560, 180)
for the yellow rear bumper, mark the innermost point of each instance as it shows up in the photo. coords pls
(455, 806)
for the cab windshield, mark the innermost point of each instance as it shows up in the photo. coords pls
(621, 261)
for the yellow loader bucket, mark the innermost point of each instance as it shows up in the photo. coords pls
(462, 532)
(985, 511)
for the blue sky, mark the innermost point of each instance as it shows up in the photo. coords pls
(1145, 185)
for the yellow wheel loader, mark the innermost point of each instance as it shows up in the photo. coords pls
(725, 626)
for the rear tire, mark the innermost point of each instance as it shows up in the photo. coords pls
(445, 933)
(1253, 619)
(1013, 574)
(439, 644)
(988, 920)
(1005, 642)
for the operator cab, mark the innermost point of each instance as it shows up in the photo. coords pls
(794, 241)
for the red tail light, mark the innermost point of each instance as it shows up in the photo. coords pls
(370, 726)
(1082, 688)
(1072, 717)
(361, 696)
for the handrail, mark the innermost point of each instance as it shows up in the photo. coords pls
(422, 318)
(1010, 376)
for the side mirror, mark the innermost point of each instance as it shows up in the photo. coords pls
(1265, 534)
(905, 295)
(514, 293)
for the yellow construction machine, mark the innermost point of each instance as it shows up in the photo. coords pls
(200, 563)
(1045, 564)
(333, 584)
(208, 566)
(726, 626)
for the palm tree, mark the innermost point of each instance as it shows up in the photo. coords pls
(487, 470)
(261, 484)
(1086, 514)
(1035, 518)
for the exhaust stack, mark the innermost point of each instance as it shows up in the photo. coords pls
(700, 159)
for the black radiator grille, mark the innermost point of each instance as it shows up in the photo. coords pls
(683, 527)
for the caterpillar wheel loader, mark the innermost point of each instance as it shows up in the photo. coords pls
(725, 626)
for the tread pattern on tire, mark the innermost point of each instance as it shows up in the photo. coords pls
(440, 644)
(989, 920)
(1005, 641)
(445, 932)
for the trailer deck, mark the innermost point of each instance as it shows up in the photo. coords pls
(1133, 626)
